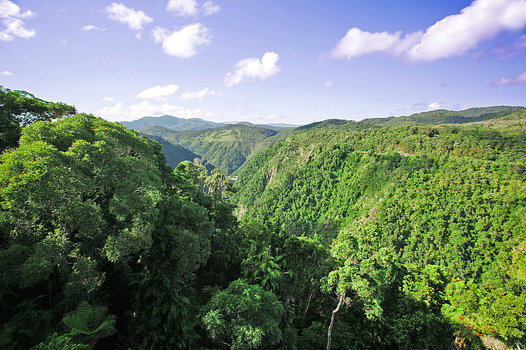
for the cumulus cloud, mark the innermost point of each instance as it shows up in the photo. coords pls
(108, 99)
(183, 43)
(182, 7)
(456, 34)
(12, 22)
(158, 92)
(452, 36)
(518, 80)
(253, 68)
(134, 19)
(6, 73)
(91, 27)
(209, 8)
(198, 95)
(357, 42)
(328, 84)
(119, 112)
(191, 7)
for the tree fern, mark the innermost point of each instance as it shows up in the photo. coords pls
(89, 323)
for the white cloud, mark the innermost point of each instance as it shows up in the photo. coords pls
(357, 42)
(518, 80)
(119, 112)
(452, 36)
(253, 68)
(112, 112)
(434, 106)
(198, 95)
(132, 18)
(158, 92)
(91, 27)
(182, 7)
(12, 22)
(108, 99)
(456, 34)
(209, 8)
(328, 84)
(183, 43)
(191, 7)
(6, 73)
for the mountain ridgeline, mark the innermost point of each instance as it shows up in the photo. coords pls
(226, 148)
(172, 123)
(394, 233)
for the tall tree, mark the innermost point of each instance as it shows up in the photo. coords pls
(20, 108)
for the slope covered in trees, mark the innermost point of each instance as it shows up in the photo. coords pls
(176, 154)
(225, 148)
(442, 207)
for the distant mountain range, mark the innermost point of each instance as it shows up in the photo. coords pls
(229, 146)
(182, 124)
(172, 123)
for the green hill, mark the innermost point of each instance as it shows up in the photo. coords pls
(225, 148)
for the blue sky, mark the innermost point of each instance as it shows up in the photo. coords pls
(265, 61)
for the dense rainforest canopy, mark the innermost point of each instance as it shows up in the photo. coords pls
(384, 234)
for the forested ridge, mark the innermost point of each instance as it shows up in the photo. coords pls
(380, 234)
(226, 148)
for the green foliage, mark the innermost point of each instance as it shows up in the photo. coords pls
(419, 226)
(244, 316)
(62, 342)
(412, 209)
(160, 318)
(263, 269)
(20, 108)
(89, 207)
(88, 323)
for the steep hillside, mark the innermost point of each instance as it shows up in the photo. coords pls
(450, 198)
(175, 154)
(172, 123)
(226, 148)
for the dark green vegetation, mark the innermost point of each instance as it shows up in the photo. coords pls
(399, 237)
(20, 108)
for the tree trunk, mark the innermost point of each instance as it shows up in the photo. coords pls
(329, 333)
(311, 294)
